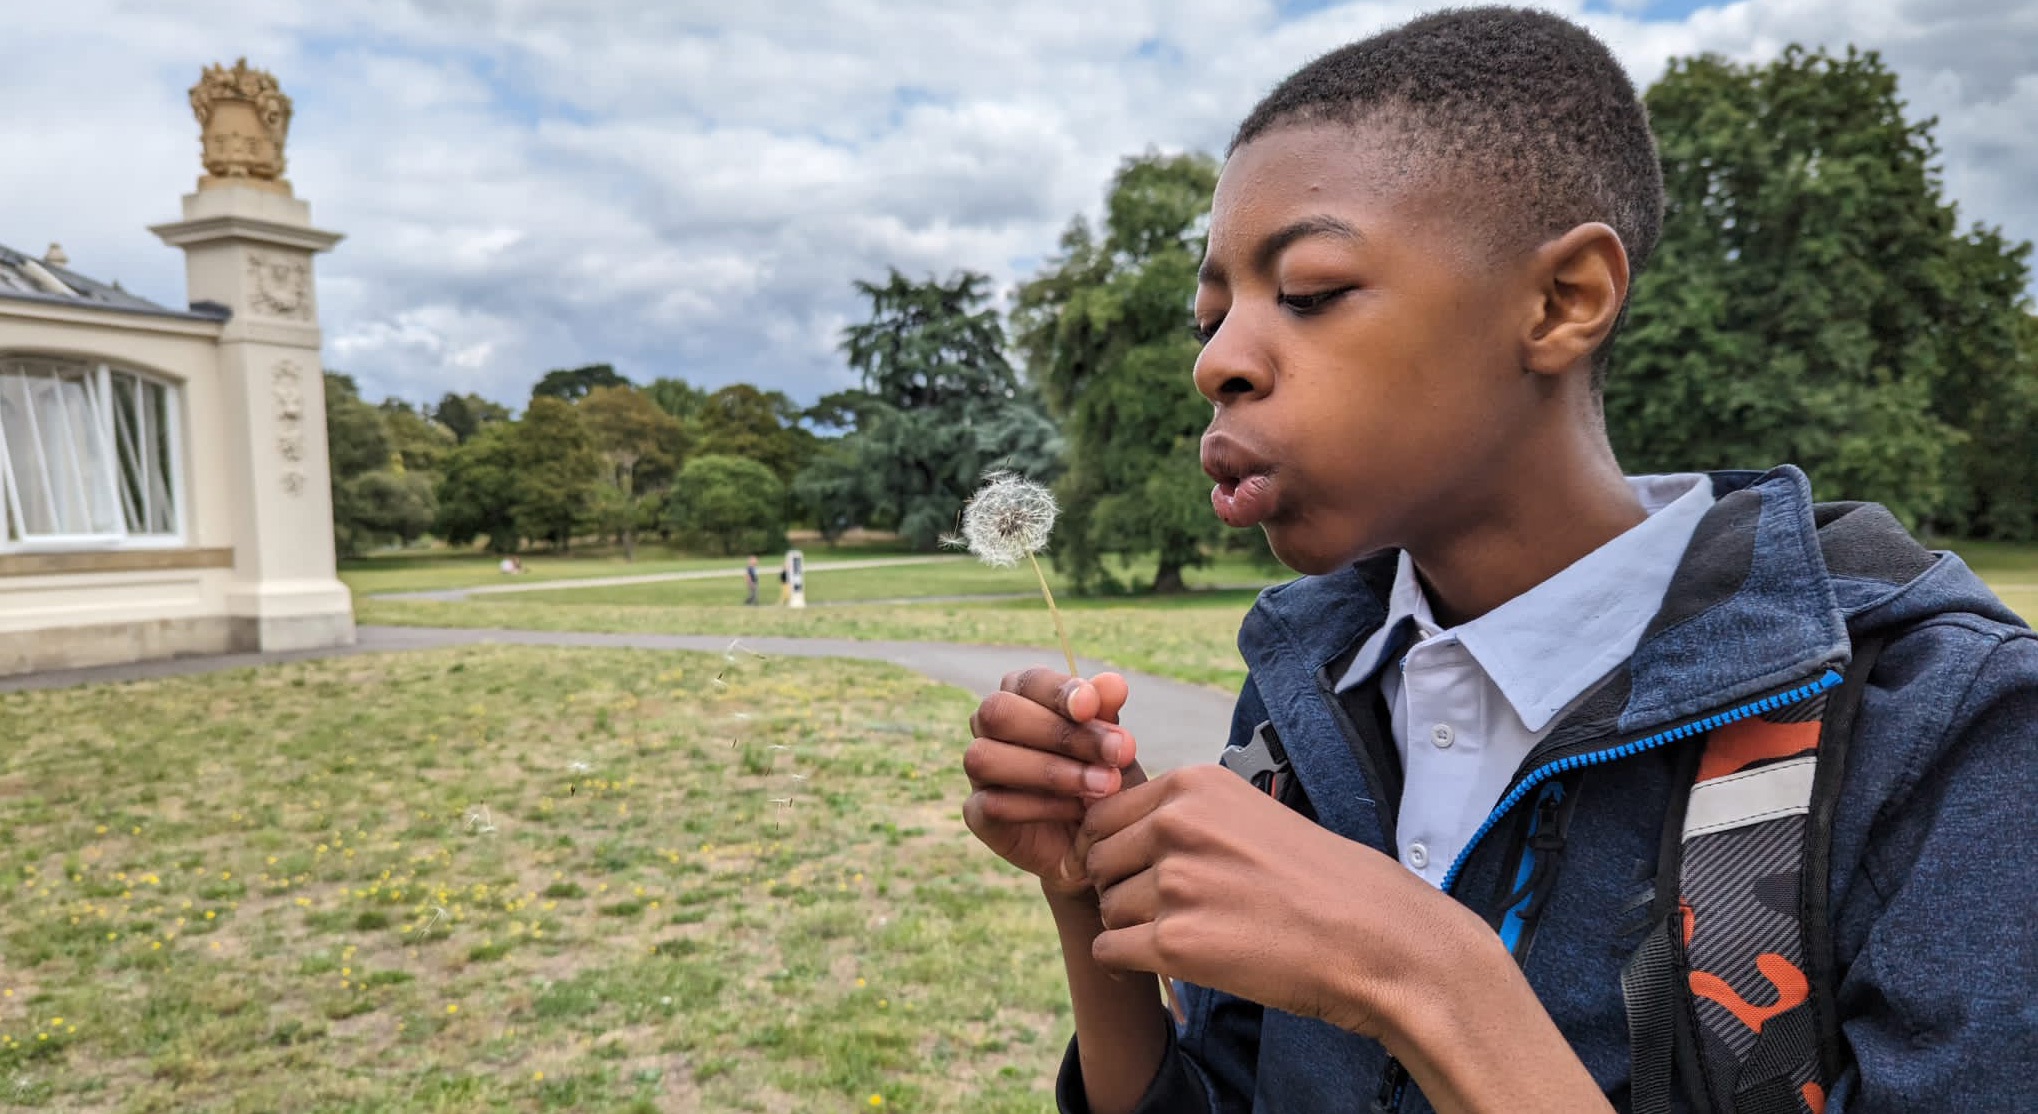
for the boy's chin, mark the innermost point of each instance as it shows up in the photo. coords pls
(1307, 551)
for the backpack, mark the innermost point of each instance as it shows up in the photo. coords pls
(1731, 993)
(1730, 996)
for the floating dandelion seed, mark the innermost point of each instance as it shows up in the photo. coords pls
(1011, 517)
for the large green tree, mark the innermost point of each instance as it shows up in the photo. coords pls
(559, 471)
(1812, 298)
(357, 441)
(478, 490)
(733, 503)
(572, 384)
(764, 426)
(399, 505)
(939, 404)
(465, 414)
(1104, 331)
(642, 446)
(676, 397)
(357, 446)
(418, 442)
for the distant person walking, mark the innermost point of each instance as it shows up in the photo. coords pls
(750, 583)
(785, 588)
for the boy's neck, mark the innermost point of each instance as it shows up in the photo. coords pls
(1562, 498)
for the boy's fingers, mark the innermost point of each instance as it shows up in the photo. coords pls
(1015, 719)
(1067, 696)
(1012, 806)
(994, 763)
(1128, 949)
(1129, 901)
(1111, 693)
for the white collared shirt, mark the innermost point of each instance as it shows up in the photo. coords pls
(1470, 702)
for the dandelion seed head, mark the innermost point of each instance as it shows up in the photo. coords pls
(1008, 519)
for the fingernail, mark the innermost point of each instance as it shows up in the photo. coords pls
(1096, 780)
(1113, 747)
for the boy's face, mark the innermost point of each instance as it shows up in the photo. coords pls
(1365, 359)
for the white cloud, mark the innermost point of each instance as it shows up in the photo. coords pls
(689, 191)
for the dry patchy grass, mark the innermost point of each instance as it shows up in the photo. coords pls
(511, 879)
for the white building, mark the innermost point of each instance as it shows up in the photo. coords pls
(164, 486)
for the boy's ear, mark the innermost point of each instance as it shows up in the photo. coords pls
(1581, 279)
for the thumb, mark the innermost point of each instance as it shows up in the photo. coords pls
(1111, 695)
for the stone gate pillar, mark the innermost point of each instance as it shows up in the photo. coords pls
(248, 245)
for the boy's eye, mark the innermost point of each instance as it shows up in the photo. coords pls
(1309, 303)
(1204, 334)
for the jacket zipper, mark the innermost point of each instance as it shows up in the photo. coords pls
(1394, 1078)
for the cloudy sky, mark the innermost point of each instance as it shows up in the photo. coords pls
(688, 189)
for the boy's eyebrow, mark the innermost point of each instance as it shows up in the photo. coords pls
(1270, 249)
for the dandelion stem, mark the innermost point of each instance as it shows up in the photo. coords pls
(1060, 632)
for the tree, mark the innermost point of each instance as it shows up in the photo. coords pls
(638, 439)
(735, 503)
(932, 344)
(479, 488)
(741, 420)
(642, 446)
(939, 404)
(1810, 299)
(676, 397)
(357, 440)
(357, 443)
(399, 505)
(418, 442)
(1104, 330)
(558, 471)
(465, 414)
(573, 384)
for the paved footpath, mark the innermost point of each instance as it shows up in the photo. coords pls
(732, 573)
(1176, 724)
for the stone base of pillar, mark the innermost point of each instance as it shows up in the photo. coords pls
(291, 615)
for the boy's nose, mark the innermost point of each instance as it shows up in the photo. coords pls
(1226, 373)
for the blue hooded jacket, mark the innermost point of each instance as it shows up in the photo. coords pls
(1932, 895)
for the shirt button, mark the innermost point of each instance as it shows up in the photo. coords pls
(1418, 856)
(1442, 735)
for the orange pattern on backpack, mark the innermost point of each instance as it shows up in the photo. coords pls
(1814, 1096)
(1738, 746)
(1792, 989)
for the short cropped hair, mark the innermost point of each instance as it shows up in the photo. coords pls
(1523, 110)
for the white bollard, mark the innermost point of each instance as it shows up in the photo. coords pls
(796, 578)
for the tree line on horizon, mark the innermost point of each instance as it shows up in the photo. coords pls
(1813, 299)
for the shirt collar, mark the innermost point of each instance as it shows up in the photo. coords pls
(1545, 647)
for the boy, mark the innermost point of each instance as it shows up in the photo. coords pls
(1492, 680)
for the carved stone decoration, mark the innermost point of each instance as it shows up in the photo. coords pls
(287, 384)
(279, 285)
(243, 120)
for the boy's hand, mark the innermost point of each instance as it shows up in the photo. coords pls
(1204, 878)
(1045, 745)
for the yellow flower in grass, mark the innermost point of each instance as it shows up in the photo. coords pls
(877, 1100)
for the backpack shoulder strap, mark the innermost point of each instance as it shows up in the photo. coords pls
(1733, 991)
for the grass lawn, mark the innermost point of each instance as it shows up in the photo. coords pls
(512, 879)
(427, 570)
(1189, 638)
(952, 576)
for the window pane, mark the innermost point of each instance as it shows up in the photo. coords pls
(127, 447)
(24, 454)
(163, 499)
(84, 453)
